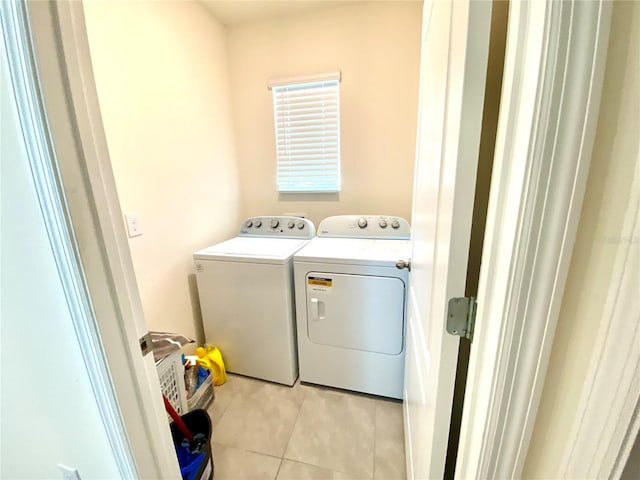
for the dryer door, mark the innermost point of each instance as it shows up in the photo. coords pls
(356, 311)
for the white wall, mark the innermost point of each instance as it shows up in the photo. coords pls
(598, 238)
(169, 77)
(376, 46)
(42, 367)
(161, 71)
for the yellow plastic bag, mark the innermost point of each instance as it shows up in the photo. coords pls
(211, 359)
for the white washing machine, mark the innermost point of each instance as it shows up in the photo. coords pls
(351, 304)
(246, 295)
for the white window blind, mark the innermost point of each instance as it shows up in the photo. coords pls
(307, 123)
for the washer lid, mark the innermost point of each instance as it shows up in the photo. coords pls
(252, 250)
(354, 251)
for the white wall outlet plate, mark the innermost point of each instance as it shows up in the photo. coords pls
(133, 225)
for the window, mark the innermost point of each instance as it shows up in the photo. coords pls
(307, 129)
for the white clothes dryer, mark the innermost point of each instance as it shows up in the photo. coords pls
(351, 304)
(246, 292)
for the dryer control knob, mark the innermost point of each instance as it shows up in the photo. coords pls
(395, 224)
(274, 223)
(383, 224)
(300, 225)
(362, 222)
(258, 224)
(291, 224)
(249, 224)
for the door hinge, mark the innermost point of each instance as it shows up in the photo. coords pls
(146, 344)
(461, 316)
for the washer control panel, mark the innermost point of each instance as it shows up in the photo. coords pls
(280, 227)
(365, 226)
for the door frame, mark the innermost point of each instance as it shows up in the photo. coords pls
(60, 233)
(602, 438)
(536, 207)
(546, 130)
(60, 116)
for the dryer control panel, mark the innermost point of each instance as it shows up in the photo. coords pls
(280, 227)
(365, 226)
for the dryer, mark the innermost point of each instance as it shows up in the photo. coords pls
(351, 304)
(246, 292)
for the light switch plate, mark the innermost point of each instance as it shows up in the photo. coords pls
(133, 225)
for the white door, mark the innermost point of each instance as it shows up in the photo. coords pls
(455, 39)
(78, 189)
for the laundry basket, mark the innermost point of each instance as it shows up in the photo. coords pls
(171, 374)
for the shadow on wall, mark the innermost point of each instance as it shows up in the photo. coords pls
(612, 102)
(309, 197)
(195, 309)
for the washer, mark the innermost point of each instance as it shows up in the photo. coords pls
(351, 304)
(246, 295)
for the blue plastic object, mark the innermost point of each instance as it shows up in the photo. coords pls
(195, 459)
(189, 462)
(203, 373)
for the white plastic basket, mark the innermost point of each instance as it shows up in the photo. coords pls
(171, 374)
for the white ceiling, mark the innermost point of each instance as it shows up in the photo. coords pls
(236, 12)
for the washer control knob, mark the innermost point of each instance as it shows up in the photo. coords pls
(258, 223)
(249, 224)
(300, 225)
(291, 224)
(383, 224)
(274, 223)
(362, 222)
(395, 224)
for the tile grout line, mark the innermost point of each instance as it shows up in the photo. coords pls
(248, 450)
(279, 456)
(233, 397)
(282, 459)
(350, 474)
(224, 411)
(375, 437)
(331, 469)
(278, 471)
(304, 398)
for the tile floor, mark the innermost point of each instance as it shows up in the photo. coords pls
(266, 431)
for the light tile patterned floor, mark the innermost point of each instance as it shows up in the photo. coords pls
(264, 431)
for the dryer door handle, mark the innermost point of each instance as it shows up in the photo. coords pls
(317, 310)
